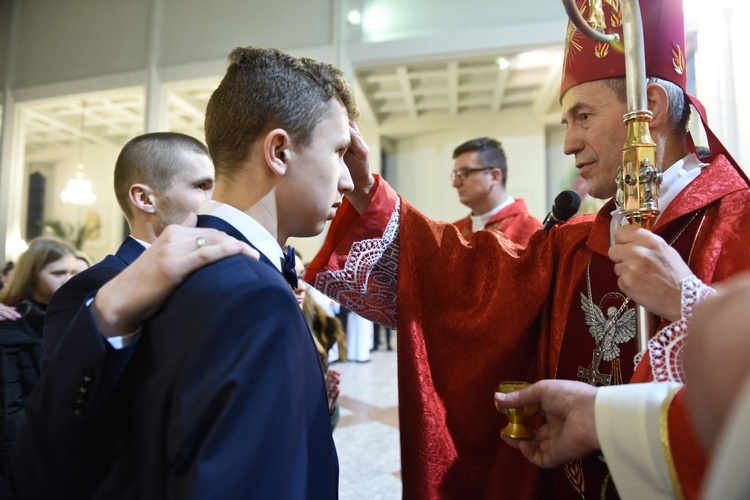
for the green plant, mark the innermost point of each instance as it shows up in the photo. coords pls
(75, 235)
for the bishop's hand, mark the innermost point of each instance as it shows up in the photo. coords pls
(357, 158)
(649, 271)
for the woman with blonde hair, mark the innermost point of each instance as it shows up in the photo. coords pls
(42, 269)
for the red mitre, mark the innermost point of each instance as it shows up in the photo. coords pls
(664, 41)
(663, 34)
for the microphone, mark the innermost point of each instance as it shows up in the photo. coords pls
(565, 206)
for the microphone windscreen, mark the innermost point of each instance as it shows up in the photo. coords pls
(566, 205)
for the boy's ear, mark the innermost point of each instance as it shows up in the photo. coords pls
(276, 150)
(142, 197)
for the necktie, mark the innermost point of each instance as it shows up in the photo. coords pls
(290, 273)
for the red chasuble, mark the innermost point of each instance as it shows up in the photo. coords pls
(514, 221)
(471, 315)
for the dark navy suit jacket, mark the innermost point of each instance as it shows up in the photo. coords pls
(62, 451)
(228, 394)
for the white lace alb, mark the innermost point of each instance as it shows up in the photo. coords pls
(666, 346)
(368, 283)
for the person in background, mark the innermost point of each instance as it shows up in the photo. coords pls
(326, 331)
(6, 311)
(333, 309)
(479, 175)
(83, 261)
(5, 274)
(43, 268)
(377, 329)
(360, 338)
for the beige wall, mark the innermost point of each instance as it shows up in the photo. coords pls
(421, 164)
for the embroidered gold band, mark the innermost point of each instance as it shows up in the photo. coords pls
(695, 238)
(664, 434)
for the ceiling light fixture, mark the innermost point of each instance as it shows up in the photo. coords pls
(502, 63)
(78, 190)
(354, 18)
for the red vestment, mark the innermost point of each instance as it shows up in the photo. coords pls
(514, 221)
(472, 314)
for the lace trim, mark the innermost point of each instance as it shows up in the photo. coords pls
(665, 348)
(368, 282)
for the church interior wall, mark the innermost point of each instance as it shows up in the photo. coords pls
(68, 49)
(421, 164)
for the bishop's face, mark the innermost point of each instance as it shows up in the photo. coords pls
(592, 115)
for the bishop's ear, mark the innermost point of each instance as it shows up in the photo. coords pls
(277, 150)
(142, 198)
(658, 104)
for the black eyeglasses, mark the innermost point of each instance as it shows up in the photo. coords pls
(463, 173)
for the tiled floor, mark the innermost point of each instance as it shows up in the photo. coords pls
(367, 437)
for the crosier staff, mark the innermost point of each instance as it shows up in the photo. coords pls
(638, 177)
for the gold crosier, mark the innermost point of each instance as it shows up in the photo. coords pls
(638, 177)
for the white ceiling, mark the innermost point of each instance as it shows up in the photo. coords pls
(461, 85)
(452, 87)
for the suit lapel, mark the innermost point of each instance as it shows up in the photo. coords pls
(212, 222)
(129, 250)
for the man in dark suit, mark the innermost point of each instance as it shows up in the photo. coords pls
(227, 394)
(159, 179)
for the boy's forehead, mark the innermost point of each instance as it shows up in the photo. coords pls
(338, 110)
(336, 119)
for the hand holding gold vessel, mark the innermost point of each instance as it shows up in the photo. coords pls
(516, 428)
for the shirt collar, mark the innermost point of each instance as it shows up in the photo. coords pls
(479, 221)
(249, 227)
(141, 242)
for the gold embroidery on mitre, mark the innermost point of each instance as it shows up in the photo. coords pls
(615, 4)
(601, 50)
(596, 16)
(616, 19)
(574, 473)
(572, 45)
(678, 59)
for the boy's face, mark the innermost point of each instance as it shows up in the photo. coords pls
(317, 177)
(189, 188)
